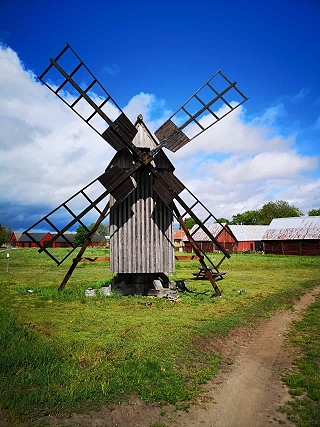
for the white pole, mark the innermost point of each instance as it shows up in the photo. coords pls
(8, 260)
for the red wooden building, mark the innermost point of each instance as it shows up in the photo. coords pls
(293, 236)
(203, 241)
(20, 240)
(249, 237)
(235, 238)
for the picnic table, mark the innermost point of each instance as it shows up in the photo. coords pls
(218, 275)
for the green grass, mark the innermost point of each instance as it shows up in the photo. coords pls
(63, 352)
(304, 379)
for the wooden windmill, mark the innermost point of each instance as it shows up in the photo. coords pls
(144, 195)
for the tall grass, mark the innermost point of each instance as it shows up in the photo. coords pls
(62, 351)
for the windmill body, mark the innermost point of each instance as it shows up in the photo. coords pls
(144, 194)
(141, 226)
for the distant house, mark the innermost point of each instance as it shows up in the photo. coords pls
(18, 239)
(178, 236)
(21, 240)
(61, 242)
(249, 237)
(98, 240)
(15, 238)
(203, 241)
(293, 236)
(235, 238)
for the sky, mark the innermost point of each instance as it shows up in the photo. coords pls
(151, 57)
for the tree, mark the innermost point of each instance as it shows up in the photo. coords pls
(103, 229)
(247, 218)
(278, 209)
(2, 238)
(5, 234)
(314, 212)
(190, 222)
(80, 237)
(223, 221)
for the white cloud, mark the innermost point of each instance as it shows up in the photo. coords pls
(47, 153)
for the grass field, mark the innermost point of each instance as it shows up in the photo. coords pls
(61, 351)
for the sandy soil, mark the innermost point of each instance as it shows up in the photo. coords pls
(246, 393)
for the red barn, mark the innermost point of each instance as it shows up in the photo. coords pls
(14, 239)
(249, 237)
(220, 232)
(21, 240)
(235, 238)
(293, 236)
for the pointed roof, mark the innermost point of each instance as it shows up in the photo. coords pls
(143, 138)
(17, 235)
(145, 141)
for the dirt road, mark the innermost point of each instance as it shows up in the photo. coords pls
(246, 393)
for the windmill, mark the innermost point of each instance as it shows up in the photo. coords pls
(138, 188)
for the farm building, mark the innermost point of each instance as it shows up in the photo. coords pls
(15, 238)
(249, 237)
(241, 238)
(20, 240)
(203, 241)
(293, 236)
(178, 236)
(61, 242)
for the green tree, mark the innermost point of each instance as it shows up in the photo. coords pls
(80, 237)
(2, 237)
(223, 220)
(247, 218)
(6, 233)
(278, 209)
(103, 229)
(190, 222)
(314, 212)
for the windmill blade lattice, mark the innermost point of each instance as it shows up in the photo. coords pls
(85, 95)
(169, 188)
(78, 209)
(213, 101)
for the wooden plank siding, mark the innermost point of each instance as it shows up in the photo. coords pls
(141, 232)
(292, 247)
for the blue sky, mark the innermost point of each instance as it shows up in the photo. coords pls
(151, 57)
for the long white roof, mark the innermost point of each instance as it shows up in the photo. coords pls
(294, 228)
(248, 233)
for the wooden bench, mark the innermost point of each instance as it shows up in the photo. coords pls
(202, 274)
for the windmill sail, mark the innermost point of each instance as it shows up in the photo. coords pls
(85, 95)
(213, 101)
(81, 209)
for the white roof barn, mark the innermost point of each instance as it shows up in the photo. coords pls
(247, 233)
(294, 228)
(293, 236)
